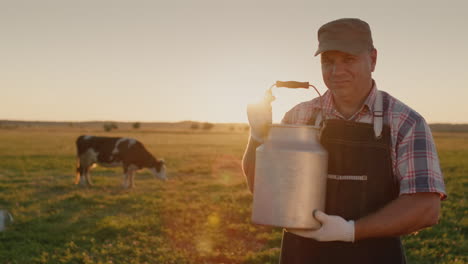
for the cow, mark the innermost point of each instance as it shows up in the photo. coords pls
(114, 152)
(5, 220)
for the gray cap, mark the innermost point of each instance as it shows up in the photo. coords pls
(350, 35)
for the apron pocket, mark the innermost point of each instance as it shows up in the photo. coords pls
(347, 195)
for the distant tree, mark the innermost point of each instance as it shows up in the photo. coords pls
(194, 125)
(136, 125)
(246, 128)
(109, 126)
(207, 126)
(232, 128)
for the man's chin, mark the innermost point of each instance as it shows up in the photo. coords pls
(340, 83)
(340, 87)
(341, 91)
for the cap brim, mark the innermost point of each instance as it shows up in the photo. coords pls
(345, 49)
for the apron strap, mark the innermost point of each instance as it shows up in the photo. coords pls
(318, 119)
(378, 115)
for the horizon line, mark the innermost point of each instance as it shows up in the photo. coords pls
(179, 121)
(117, 121)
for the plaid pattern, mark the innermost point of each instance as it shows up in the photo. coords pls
(414, 155)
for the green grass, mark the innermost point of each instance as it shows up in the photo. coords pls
(201, 215)
(447, 241)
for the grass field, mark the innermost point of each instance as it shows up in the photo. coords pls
(201, 215)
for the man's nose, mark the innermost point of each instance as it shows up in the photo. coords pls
(337, 69)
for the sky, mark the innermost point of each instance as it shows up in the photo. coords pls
(205, 60)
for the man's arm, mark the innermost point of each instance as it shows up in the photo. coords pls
(248, 162)
(419, 205)
(406, 214)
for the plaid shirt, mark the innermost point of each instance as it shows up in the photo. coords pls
(414, 155)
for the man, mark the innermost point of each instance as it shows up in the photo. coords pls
(384, 174)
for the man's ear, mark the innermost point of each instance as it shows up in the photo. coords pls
(373, 56)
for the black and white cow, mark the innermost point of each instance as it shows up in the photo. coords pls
(113, 152)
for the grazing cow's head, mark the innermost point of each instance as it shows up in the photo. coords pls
(159, 169)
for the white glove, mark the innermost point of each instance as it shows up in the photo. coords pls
(334, 228)
(260, 117)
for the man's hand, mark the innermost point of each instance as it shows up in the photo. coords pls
(260, 117)
(334, 228)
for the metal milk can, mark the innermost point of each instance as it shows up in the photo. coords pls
(290, 175)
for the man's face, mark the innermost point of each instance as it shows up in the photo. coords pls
(348, 75)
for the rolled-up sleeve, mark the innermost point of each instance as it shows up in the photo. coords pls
(417, 162)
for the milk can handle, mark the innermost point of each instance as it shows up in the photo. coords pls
(292, 84)
(296, 85)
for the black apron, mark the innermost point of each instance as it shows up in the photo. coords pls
(360, 181)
